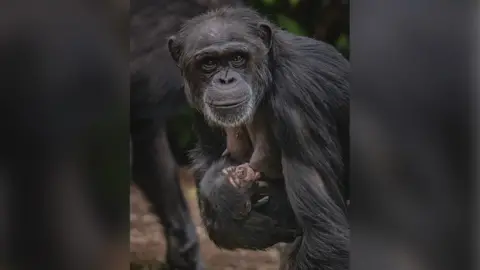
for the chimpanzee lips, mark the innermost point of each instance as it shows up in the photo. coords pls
(229, 104)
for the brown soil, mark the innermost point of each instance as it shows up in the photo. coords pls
(147, 245)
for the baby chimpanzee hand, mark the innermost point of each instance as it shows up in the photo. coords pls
(241, 176)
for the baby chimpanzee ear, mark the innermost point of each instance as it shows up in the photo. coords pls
(266, 34)
(174, 48)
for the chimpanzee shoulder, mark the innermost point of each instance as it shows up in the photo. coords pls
(309, 101)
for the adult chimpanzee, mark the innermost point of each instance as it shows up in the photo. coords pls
(156, 95)
(233, 62)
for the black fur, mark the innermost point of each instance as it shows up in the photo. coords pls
(269, 224)
(156, 96)
(308, 99)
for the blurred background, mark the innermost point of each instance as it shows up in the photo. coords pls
(326, 20)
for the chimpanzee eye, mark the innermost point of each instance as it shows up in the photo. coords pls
(238, 60)
(209, 64)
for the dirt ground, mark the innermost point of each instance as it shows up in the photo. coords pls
(147, 245)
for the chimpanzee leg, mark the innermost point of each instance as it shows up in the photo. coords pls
(154, 171)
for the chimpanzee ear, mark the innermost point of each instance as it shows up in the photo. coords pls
(174, 48)
(266, 34)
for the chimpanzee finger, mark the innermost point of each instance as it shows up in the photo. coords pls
(233, 182)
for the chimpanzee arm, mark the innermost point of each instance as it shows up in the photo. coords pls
(311, 166)
(325, 229)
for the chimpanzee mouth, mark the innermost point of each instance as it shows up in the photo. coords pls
(228, 114)
(231, 104)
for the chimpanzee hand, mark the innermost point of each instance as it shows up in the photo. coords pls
(241, 176)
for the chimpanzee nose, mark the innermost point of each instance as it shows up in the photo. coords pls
(227, 81)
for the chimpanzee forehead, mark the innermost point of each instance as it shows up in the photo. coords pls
(217, 32)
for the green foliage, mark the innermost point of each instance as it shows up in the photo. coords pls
(268, 2)
(294, 3)
(343, 42)
(290, 25)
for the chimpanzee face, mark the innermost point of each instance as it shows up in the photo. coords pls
(225, 69)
